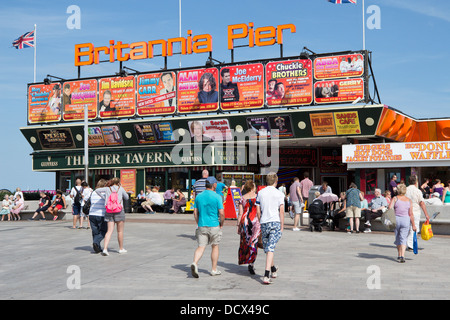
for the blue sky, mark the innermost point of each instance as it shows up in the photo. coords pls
(410, 51)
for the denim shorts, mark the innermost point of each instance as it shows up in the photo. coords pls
(270, 234)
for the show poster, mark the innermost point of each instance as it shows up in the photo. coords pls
(322, 124)
(258, 127)
(241, 87)
(75, 96)
(117, 97)
(334, 91)
(210, 130)
(198, 90)
(163, 132)
(289, 83)
(156, 94)
(281, 123)
(343, 66)
(95, 137)
(112, 136)
(44, 103)
(144, 133)
(128, 180)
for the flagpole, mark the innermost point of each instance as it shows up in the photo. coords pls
(364, 26)
(35, 43)
(179, 12)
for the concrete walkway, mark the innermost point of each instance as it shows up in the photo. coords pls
(48, 260)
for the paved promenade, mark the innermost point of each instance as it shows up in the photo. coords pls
(48, 260)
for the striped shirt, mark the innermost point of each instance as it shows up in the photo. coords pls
(97, 204)
(199, 186)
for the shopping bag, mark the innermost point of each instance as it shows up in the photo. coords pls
(388, 219)
(426, 232)
(415, 245)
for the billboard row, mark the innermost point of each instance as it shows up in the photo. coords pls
(297, 82)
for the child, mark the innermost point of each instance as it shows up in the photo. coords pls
(58, 204)
(270, 210)
(5, 208)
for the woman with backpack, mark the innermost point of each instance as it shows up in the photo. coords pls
(115, 214)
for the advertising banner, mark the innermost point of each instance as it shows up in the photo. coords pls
(163, 132)
(117, 97)
(282, 124)
(241, 87)
(347, 123)
(144, 133)
(210, 130)
(198, 90)
(335, 91)
(322, 124)
(44, 103)
(258, 127)
(156, 94)
(343, 66)
(128, 180)
(112, 136)
(75, 96)
(289, 83)
(95, 137)
(419, 152)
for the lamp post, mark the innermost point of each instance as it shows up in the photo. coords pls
(86, 144)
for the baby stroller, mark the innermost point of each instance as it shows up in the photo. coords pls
(317, 214)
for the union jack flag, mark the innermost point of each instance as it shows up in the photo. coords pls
(24, 41)
(342, 1)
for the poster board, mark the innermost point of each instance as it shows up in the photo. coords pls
(231, 204)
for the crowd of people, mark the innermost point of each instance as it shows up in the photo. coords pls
(260, 220)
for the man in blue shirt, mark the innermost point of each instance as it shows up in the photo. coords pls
(220, 188)
(376, 208)
(209, 215)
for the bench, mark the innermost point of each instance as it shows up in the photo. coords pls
(30, 207)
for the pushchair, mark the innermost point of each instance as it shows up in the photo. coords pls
(318, 215)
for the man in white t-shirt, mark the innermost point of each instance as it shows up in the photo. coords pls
(270, 210)
(416, 196)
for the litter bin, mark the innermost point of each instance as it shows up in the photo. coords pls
(127, 205)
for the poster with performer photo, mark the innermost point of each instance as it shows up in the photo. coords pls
(335, 91)
(112, 136)
(44, 103)
(75, 96)
(241, 87)
(342, 66)
(197, 90)
(163, 132)
(117, 97)
(289, 83)
(156, 94)
(210, 130)
(144, 133)
(258, 127)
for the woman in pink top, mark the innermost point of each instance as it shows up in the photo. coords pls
(404, 219)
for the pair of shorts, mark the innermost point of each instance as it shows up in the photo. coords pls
(270, 235)
(353, 212)
(297, 207)
(42, 209)
(115, 217)
(208, 236)
(76, 209)
(58, 207)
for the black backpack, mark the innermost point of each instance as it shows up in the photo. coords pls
(87, 205)
(77, 198)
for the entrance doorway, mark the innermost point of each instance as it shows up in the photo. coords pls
(337, 183)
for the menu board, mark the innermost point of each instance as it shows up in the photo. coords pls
(242, 87)
(156, 94)
(197, 90)
(76, 95)
(117, 98)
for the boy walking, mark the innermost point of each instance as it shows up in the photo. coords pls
(209, 215)
(270, 210)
